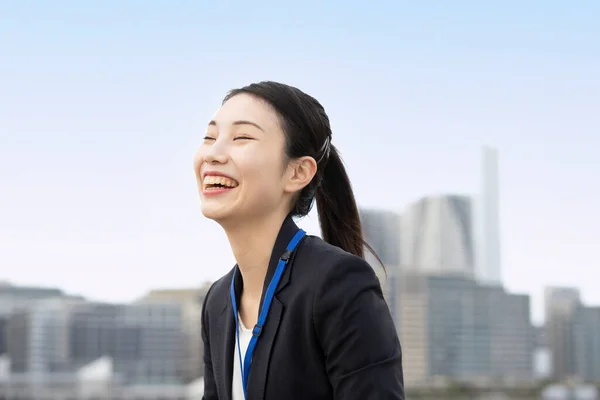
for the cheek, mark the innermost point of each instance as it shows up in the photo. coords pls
(198, 160)
(262, 174)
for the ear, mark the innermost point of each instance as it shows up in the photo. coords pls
(299, 174)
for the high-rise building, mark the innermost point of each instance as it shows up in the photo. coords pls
(455, 328)
(560, 307)
(381, 230)
(3, 323)
(587, 343)
(436, 236)
(13, 297)
(573, 338)
(37, 337)
(191, 301)
(156, 331)
(487, 221)
(61, 335)
(541, 357)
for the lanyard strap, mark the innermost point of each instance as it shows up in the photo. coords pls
(264, 311)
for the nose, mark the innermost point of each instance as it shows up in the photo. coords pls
(217, 153)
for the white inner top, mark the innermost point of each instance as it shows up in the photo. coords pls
(237, 390)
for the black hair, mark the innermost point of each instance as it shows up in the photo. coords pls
(308, 133)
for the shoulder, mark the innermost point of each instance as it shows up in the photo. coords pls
(323, 264)
(350, 315)
(329, 268)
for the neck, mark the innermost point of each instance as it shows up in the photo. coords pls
(252, 243)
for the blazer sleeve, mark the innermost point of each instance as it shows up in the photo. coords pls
(210, 386)
(356, 331)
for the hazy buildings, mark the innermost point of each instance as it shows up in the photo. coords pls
(37, 336)
(586, 329)
(159, 343)
(3, 323)
(560, 306)
(13, 297)
(190, 301)
(573, 337)
(436, 236)
(541, 355)
(487, 221)
(454, 328)
(61, 335)
(381, 230)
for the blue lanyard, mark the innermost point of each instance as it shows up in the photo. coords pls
(264, 311)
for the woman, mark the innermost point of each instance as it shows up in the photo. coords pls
(298, 317)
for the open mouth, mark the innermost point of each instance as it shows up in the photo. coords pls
(215, 183)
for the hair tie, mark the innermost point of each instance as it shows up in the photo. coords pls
(325, 149)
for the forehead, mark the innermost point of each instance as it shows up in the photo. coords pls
(244, 107)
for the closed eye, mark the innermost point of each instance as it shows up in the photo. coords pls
(243, 138)
(209, 138)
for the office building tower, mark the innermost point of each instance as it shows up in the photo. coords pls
(436, 236)
(190, 301)
(3, 323)
(455, 328)
(381, 230)
(573, 338)
(541, 356)
(37, 337)
(560, 308)
(13, 297)
(586, 326)
(61, 335)
(156, 330)
(487, 221)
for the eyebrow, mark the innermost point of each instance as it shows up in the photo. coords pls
(239, 122)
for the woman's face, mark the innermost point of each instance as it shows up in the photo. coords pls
(241, 165)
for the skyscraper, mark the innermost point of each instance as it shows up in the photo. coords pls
(381, 232)
(436, 236)
(191, 301)
(572, 329)
(454, 327)
(487, 221)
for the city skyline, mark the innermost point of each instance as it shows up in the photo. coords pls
(102, 109)
(474, 312)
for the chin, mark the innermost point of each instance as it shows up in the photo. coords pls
(219, 211)
(216, 214)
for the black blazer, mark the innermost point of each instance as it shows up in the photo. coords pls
(329, 333)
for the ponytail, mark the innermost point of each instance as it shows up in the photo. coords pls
(338, 213)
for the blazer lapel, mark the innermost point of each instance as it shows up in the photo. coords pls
(226, 338)
(257, 381)
(259, 370)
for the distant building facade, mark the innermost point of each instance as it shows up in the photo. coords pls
(381, 230)
(13, 297)
(190, 301)
(487, 221)
(57, 336)
(456, 329)
(436, 236)
(3, 324)
(572, 330)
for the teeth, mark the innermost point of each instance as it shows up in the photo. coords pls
(219, 180)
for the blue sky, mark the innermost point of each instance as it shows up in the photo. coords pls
(102, 107)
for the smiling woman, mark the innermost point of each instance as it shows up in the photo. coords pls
(297, 317)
